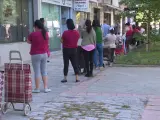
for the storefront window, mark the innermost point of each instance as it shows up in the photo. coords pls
(14, 20)
(51, 13)
(81, 16)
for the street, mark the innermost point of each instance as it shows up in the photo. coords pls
(117, 93)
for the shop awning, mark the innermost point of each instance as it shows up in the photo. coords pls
(113, 7)
(95, 1)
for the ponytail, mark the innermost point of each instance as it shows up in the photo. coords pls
(40, 25)
(44, 32)
(89, 26)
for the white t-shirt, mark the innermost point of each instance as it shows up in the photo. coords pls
(79, 42)
(142, 30)
(110, 41)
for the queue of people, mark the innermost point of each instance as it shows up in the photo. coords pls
(130, 37)
(85, 48)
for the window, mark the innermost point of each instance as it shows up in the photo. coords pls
(14, 20)
(80, 17)
(51, 13)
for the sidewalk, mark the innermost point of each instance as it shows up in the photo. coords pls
(55, 73)
(117, 93)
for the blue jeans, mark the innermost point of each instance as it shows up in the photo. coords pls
(98, 53)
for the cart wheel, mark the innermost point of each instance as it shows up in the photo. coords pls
(9, 105)
(27, 109)
(5, 108)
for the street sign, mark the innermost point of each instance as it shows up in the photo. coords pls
(81, 5)
(67, 3)
(56, 2)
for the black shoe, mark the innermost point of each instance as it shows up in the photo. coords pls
(83, 72)
(87, 75)
(77, 80)
(91, 75)
(64, 81)
(103, 65)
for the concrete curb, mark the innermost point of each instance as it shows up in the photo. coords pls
(123, 65)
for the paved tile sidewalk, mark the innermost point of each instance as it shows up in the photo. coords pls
(152, 110)
(115, 94)
(91, 108)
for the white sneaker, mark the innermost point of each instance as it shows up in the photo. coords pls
(47, 90)
(97, 68)
(101, 68)
(36, 91)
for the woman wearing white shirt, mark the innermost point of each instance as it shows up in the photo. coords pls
(110, 43)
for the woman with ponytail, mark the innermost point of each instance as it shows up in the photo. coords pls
(88, 45)
(39, 48)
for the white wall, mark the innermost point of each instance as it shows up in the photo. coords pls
(23, 47)
(37, 9)
(107, 1)
(115, 3)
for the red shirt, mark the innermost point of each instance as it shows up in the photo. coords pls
(38, 44)
(70, 38)
(139, 28)
(136, 31)
(129, 32)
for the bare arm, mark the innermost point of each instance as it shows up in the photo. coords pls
(94, 37)
(28, 41)
(61, 40)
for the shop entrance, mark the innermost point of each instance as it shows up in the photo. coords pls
(107, 17)
(51, 14)
(81, 17)
(65, 14)
(96, 14)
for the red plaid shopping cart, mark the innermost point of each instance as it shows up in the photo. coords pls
(18, 85)
(1, 84)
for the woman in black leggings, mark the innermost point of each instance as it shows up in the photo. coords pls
(69, 40)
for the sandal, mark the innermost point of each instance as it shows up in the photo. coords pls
(63, 81)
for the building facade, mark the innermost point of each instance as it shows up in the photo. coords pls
(111, 10)
(17, 17)
(16, 22)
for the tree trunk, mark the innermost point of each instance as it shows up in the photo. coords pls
(159, 27)
(148, 42)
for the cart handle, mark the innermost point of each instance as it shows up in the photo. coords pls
(14, 58)
(11, 58)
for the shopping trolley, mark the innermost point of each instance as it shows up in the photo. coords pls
(18, 84)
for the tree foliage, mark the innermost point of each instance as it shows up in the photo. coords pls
(8, 12)
(145, 10)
